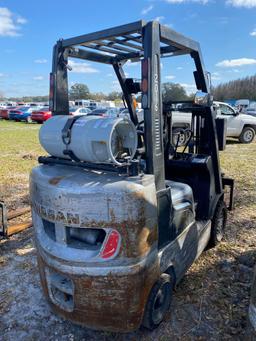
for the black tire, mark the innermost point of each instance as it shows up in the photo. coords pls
(247, 135)
(158, 303)
(218, 224)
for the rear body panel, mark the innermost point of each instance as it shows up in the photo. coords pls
(80, 285)
(107, 294)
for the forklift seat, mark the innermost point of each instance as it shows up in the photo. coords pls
(180, 192)
(183, 213)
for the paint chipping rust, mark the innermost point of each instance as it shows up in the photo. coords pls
(138, 234)
(54, 181)
(114, 303)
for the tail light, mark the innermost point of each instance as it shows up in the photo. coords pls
(111, 245)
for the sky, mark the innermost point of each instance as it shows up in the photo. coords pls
(226, 31)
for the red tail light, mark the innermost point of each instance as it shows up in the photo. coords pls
(111, 245)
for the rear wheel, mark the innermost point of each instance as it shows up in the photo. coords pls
(247, 135)
(158, 303)
(218, 224)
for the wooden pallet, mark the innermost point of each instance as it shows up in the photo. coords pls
(6, 229)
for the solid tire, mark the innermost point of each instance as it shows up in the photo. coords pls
(158, 303)
(218, 224)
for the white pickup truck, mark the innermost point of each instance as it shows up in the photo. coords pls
(239, 125)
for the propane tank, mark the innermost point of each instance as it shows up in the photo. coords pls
(92, 138)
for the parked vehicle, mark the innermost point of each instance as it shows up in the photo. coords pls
(22, 114)
(105, 112)
(239, 125)
(82, 103)
(139, 112)
(4, 113)
(41, 115)
(4, 105)
(118, 215)
(242, 104)
(79, 111)
(251, 111)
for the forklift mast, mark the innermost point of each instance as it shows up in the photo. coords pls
(146, 42)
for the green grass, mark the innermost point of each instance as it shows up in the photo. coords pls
(19, 150)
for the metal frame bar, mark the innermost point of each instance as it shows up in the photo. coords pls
(128, 97)
(110, 44)
(131, 37)
(171, 37)
(153, 107)
(87, 165)
(88, 55)
(104, 34)
(4, 218)
(125, 42)
(102, 47)
(59, 72)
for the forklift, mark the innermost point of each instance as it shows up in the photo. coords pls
(119, 212)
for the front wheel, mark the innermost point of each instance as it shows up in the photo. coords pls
(158, 303)
(218, 224)
(247, 135)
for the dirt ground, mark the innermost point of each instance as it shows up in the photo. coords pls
(210, 303)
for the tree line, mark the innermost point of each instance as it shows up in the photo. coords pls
(240, 88)
(170, 91)
(237, 89)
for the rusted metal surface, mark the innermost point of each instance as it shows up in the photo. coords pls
(108, 295)
(87, 199)
(110, 302)
(105, 294)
